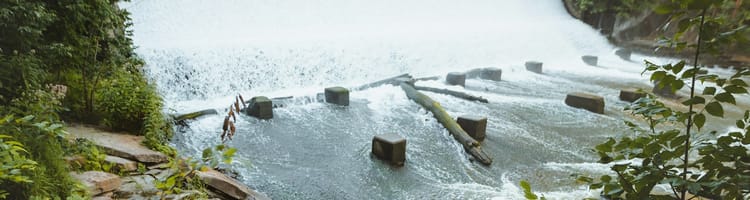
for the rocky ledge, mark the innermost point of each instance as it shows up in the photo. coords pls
(126, 153)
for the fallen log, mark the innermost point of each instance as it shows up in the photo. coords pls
(452, 93)
(471, 145)
(194, 115)
(392, 81)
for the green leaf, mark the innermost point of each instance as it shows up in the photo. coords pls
(725, 97)
(735, 89)
(689, 73)
(528, 194)
(695, 100)
(709, 91)
(740, 124)
(699, 120)
(715, 109)
(678, 67)
(677, 85)
(658, 75)
(738, 82)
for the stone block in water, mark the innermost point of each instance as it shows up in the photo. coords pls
(456, 78)
(590, 60)
(390, 147)
(624, 53)
(534, 66)
(586, 101)
(491, 73)
(630, 95)
(337, 95)
(260, 107)
(475, 126)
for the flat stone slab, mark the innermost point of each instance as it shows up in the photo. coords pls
(228, 186)
(120, 145)
(586, 101)
(98, 182)
(121, 164)
(142, 186)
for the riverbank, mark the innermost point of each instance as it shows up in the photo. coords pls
(141, 171)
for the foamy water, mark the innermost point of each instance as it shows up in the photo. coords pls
(201, 53)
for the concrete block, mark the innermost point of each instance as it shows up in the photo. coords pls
(624, 53)
(534, 66)
(456, 78)
(390, 147)
(491, 73)
(590, 60)
(261, 107)
(337, 95)
(586, 101)
(475, 126)
(630, 95)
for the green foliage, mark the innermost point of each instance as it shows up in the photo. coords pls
(13, 161)
(662, 153)
(94, 158)
(185, 178)
(127, 100)
(527, 193)
(40, 171)
(621, 7)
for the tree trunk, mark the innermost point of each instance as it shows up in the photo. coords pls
(452, 93)
(472, 146)
(393, 81)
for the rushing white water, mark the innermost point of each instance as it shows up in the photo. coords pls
(201, 53)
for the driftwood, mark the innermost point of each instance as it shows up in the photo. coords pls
(194, 115)
(453, 93)
(392, 81)
(471, 145)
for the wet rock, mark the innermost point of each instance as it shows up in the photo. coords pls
(105, 196)
(534, 66)
(227, 186)
(390, 147)
(120, 145)
(337, 95)
(121, 164)
(586, 101)
(590, 60)
(624, 53)
(140, 186)
(261, 107)
(456, 78)
(76, 161)
(630, 95)
(98, 182)
(475, 126)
